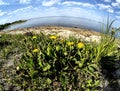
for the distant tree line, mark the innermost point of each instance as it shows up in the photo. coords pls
(6, 25)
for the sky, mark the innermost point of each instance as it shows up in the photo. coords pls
(98, 10)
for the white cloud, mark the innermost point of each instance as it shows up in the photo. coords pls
(20, 10)
(117, 12)
(50, 2)
(105, 7)
(32, 12)
(115, 4)
(110, 10)
(118, 1)
(107, 1)
(3, 3)
(19, 14)
(118, 17)
(70, 3)
(25, 1)
(2, 13)
(80, 12)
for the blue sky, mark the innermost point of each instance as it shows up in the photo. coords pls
(98, 10)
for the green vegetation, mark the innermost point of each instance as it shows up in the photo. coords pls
(50, 62)
(6, 25)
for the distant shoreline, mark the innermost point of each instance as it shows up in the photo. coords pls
(7, 25)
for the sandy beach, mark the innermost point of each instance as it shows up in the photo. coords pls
(84, 34)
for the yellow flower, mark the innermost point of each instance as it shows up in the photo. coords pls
(53, 37)
(70, 43)
(35, 50)
(80, 45)
(34, 37)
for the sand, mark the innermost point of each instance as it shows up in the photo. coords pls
(84, 34)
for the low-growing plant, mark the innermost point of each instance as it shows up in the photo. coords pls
(50, 62)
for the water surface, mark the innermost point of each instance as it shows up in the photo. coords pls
(60, 21)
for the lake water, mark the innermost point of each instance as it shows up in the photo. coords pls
(59, 21)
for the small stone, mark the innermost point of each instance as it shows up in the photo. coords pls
(18, 68)
(29, 34)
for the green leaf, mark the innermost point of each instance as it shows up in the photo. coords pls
(64, 79)
(95, 66)
(40, 64)
(55, 55)
(74, 59)
(95, 90)
(32, 73)
(47, 67)
(29, 89)
(30, 63)
(49, 81)
(57, 48)
(97, 83)
(89, 81)
(91, 69)
(65, 68)
(48, 50)
(65, 53)
(80, 64)
(89, 85)
(29, 54)
(89, 72)
(79, 53)
(87, 90)
(83, 85)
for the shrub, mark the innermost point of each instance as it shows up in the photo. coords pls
(48, 60)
